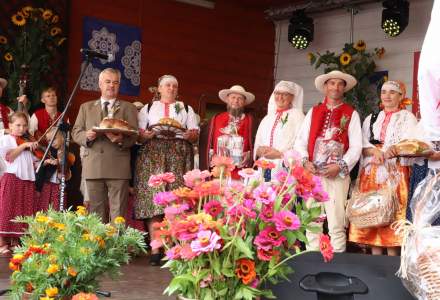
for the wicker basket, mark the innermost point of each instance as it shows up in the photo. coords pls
(373, 209)
(428, 264)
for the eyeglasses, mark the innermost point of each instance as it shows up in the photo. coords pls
(284, 95)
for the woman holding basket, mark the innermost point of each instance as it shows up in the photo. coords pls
(380, 167)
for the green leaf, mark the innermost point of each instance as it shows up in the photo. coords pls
(243, 247)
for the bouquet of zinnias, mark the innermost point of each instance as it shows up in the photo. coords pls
(227, 240)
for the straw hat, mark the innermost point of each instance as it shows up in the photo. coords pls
(3, 82)
(322, 79)
(237, 89)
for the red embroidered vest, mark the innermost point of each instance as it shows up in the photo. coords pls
(324, 118)
(44, 120)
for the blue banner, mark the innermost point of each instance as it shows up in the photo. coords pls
(123, 43)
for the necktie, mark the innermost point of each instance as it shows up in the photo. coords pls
(105, 110)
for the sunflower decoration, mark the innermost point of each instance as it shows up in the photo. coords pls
(18, 19)
(26, 11)
(345, 58)
(8, 57)
(61, 41)
(360, 45)
(55, 31)
(311, 57)
(47, 14)
(3, 40)
(55, 19)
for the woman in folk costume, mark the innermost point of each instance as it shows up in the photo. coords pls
(278, 129)
(160, 155)
(379, 166)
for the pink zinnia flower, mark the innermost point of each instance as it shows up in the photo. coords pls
(164, 198)
(267, 213)
(318, 192)
(186, 230)
(168, 177)
(193, 177)
(226, 163)
(265, 194)
(155, 181)
(239, 210)
(186, 252)
(156, 244)
(207, 241)
(174, 253)
(286, 220)
(268, 238)
(176, 209)
(213, 207)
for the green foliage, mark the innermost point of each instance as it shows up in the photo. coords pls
(69, 251)
(357, 61)
(31, 45)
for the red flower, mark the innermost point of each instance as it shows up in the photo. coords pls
(84, 296)
(326, 247)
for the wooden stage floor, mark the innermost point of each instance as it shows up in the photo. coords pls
(139, 281)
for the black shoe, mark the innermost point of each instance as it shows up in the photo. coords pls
(155, 259)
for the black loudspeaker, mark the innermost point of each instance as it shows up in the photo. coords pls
(347, 277)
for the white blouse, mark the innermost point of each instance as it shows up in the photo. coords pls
(282, 135)
(23, 164)
(176, 111)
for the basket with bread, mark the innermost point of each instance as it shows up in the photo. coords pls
(168, 128)
(420, 257)
(413, 148)
(110, 125)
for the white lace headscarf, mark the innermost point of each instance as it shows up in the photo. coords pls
(287, 87)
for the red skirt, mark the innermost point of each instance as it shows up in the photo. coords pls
(49, 195)
(16, 199)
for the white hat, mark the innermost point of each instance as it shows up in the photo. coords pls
(322, 79)
(3, 82)
(289, 87)
(237, 89)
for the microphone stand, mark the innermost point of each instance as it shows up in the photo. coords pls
(64, 128)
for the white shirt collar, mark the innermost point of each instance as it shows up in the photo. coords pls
(111, 102)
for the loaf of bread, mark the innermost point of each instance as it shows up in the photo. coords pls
(170, 121)
(411, 147)
(115, 123)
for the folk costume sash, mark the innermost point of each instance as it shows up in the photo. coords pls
(324, 118)
(44, 120)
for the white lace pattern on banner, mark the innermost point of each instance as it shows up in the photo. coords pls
(131, 61)
(104, 41)
(89, 82)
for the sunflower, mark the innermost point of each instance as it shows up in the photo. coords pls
(26, 11)
(360, 45)
(310, 56)
(345, 58)
(54, 31)
(61, 41)
(18, 19)
(55, 19)
(47, 14)
(3, 39)
(8, 56)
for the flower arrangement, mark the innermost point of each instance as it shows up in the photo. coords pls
(64, 253)
(30, 48)
(228, 240)
(357, 61)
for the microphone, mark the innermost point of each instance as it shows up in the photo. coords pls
(95, 54)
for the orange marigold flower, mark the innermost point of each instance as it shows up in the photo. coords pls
(29, 287)
(53, 268)
(17, 259)
(55, 19)
(14, 267)
(245, 270)
(85, 296)
(71, 271)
